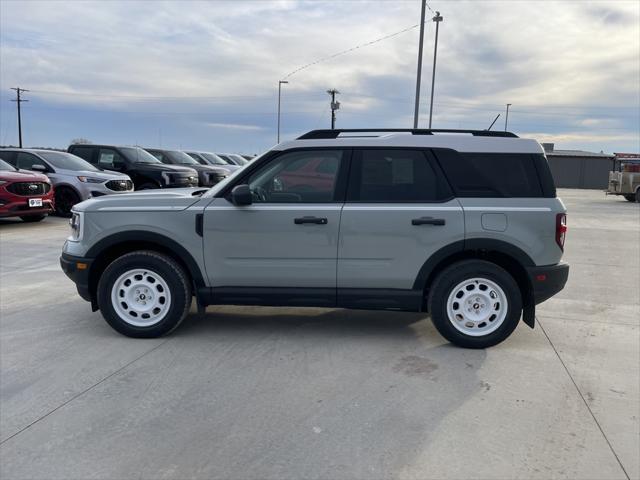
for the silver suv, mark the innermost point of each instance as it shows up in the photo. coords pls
(464, 225)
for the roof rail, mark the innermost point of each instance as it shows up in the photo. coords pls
(324, 134)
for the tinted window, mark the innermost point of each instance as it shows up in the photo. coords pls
(490, 174)
(67, 161)
(138, 155)
(109, 159)
(394, 176)
(9, 157)
(26, 161)
(5, 167)
(214, 158)
(197, 158)
(180, 158)
(293, 178)
(83, 152)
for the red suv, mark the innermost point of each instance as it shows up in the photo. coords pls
(23, 194)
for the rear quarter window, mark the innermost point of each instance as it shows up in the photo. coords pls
(490, 174)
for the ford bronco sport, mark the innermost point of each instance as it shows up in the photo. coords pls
(464, 225)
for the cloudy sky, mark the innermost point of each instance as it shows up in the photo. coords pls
(204, 74)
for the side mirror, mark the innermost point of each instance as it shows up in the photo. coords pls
(38, 168)
(241, 195)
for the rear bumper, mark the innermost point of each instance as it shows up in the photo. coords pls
(72, 267)
(548, 280)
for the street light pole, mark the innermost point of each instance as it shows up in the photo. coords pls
(506, 118)
(419, 73)
(438, 18)
(280, 82)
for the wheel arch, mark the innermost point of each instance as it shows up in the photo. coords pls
(513, 259)
(113, 246)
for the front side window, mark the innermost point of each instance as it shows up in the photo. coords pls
(394, 176)
(293, 178)
(26, 161)
(109, 159)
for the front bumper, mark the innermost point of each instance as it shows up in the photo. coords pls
(77, 269)
(548, 280)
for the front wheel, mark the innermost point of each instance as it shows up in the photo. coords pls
(144, 294)
(630, 198)
(475, 304)
(65, 199)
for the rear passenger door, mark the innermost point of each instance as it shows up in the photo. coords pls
(399, 211)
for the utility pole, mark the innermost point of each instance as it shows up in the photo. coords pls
(19, 100)
(419, 73)
(280, 82)
(438, 18)
(506, 118)
(334, 106)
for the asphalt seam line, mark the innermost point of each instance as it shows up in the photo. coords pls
(84, 391)
(584, 400)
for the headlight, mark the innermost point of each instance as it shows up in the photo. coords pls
(75, 222)
(90, 179)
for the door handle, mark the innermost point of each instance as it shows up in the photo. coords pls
(428, 221)
(316, 220)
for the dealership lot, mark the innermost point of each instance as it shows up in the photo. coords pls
(248, 392)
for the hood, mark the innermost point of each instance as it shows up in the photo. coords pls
(167, 199)
(103, 174)
(23, 176)
(163, 167)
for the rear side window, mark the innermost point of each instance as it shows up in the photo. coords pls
(395, 176)
(490, 174)
(86, 153)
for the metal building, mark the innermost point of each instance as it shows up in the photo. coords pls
(579, 169)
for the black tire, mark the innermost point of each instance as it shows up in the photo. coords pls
(163, 266)
(630, 198)
(65, 199)
(148, 186)
(452, 276)
(638, 195)
(33, 218)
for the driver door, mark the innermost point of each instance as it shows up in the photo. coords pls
(282, 249)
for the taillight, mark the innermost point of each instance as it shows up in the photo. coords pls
(561, 229)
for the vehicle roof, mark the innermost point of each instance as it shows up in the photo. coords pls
(459, 141)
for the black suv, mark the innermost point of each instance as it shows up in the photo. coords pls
(208, 175)
(145, 170)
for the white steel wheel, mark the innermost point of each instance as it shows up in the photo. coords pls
(141, 297)
(477, 307)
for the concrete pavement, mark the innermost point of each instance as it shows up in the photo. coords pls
(261, 393)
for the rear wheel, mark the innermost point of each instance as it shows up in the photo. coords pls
(33, 218)
(144, 294)
(475, 304)
(65, 199)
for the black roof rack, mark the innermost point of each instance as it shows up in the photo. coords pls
(320, 134)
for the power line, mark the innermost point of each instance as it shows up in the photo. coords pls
(337, 54)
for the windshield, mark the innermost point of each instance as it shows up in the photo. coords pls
(67, 161)
(241, 160)
(227, 159)
(180, 158)
(214, 158)
(6, 167)
(138, 155)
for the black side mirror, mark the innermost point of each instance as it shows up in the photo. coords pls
(241, 195)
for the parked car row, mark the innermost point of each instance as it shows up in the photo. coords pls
(87, 171)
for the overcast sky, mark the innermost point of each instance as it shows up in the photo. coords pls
(196, 74)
